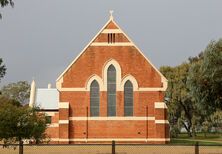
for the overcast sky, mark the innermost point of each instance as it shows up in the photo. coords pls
(39, 38)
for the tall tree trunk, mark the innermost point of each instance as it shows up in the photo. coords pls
(205, 134)
(193, 132)
(187, 129)
(188, 117)
(20, 146)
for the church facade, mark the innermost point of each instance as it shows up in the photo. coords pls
(110, 91)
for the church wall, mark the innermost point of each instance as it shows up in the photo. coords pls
(94, 58)
(106, 128)
(149, 121)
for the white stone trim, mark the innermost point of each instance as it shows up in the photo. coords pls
(130, 78)
(111, 139)
(63, 121)
(59, 83)
(111, 31)
(64, 140)
(118, 73)
(98, 79)
(165, 84)
(52, 125)
(118, 119)
(161, 121)
(85, 90)
(160, 105)
(54, 139)
(110, 118)
(151, 89)
(111, 44)
(60, 78)
(63, 105)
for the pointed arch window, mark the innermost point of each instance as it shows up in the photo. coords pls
(94, 99)
(128, 99)
(111, 91)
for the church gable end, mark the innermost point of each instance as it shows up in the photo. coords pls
(111, 43)
(109, 86)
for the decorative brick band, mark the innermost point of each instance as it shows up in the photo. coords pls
(85, 89)
(53, 125)
(160, 105)
(161, 121)
(111, 44)
(118, 119)
(63, 140)
(111, 31)
(111, 139)
(63, 121)
(110, 118)
(63, 105)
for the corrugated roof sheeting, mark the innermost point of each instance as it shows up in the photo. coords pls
(47, 98)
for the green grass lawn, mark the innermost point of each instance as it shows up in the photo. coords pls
(210, 139)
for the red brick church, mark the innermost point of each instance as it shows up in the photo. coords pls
(110, 91)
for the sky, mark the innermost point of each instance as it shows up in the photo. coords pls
(40, 38)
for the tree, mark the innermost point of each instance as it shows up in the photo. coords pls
(4, 3)
(216, 120)
(205, 128)
(182, 110)
(194, 93)
(18, 123)
(19, 91)
(2, 69)
(205, 78)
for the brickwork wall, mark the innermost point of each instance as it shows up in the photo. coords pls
(111, 129)
(94, 58)
(53, 132)
(132, 62)
(78, 102)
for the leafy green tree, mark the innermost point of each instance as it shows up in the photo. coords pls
(206, 127)
(18, 123)
(216, 120)
(4, 99)
(194, 93)
(2, 69)
(18, 91)
(182, 111)
(4, 3)
(205, 78)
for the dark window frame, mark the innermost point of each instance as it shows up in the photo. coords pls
(111, 38)
(48, 119)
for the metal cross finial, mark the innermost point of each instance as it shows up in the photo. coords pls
(111, 14)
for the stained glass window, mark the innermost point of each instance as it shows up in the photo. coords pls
(94, 99)
(111, 91)
(128, 99)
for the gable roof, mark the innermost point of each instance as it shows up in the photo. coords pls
(111, 24)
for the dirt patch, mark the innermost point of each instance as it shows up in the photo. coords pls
(120, 149)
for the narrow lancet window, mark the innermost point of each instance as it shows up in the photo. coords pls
(128, 99)
(111, 91)
(94, 99)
